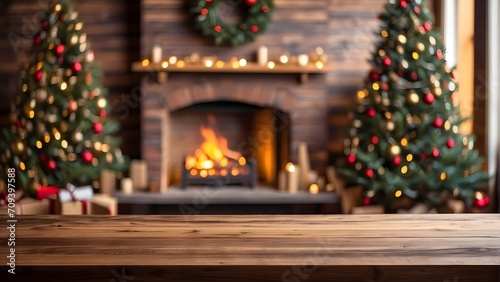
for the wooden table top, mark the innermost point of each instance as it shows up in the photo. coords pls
(430, 239)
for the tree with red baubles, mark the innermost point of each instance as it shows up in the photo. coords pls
(60, 133)
(405, 139)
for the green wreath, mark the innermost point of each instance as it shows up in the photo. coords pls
(255, 21)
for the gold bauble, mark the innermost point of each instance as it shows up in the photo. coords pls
(394, 150)
(413, 97)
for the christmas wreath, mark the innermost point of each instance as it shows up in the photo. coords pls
(256, 18)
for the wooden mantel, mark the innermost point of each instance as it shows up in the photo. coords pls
(438, 247)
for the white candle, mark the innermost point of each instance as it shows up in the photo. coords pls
(126, 186)
(293, 176)
(156, 54)
(139, 174)
(302, 60)
(262, 55)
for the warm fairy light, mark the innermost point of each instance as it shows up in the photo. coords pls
(180, 64)
(375, 86)
(209, 63)
(442, 176)
(190, 162)
(362, 94)
(290, 167)
(479, 195)
(234, 171)
(105, 148)
(22, 166)
(145, 62)
(31, 114)
(203, 173)
(314, 189)
(39, 144)
(219, 64)
(384, 33)
(101, 103)
(235, 64)
(242, 161)
(320, 65)
(64, 144)
(211, 172)
(193, 172)
(172, 60)
(64, 85)
(57, 135)
(409, 157)
(414, 55)
(404, 169)
(164, 64)
(46, 138)
(271, 65)
(283, 59)
(97, 146)
(398, 194)
(404, 142)
(223, 172)
(243, 62)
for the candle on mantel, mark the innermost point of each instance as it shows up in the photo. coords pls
(139, 174)
(262, 55)
(156, 54)
(108, 180)
(293, 176)
(126, 185)
(314, 189)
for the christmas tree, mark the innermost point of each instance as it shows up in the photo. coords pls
(61, 132)
(405, 139)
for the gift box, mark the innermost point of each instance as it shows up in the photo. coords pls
(103, 204)
(27, 206)
(72, 200)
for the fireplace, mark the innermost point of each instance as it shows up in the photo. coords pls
(252, 123)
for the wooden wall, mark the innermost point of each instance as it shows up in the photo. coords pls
(113, 32)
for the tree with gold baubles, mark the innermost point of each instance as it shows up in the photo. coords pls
(61, 131)
(405, 140)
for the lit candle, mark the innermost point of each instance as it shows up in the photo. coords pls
(126, 186)
(302, 60)
(262, 55)
(293, 177)
(156, 54)
(314, 189)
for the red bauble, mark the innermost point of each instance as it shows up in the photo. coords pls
(423, 156)
(417, 10)
(371, 112)
(38, 75)
(439, 54)
(218, 28)
(87, 157)
(76, 67)
(384, 86)
(386, 61)
(254, 28)
(366, 201)
(374, 140)
(374, 76)
(438, 122)
(265, 9)
(102, 113)
(482, 202)
(427, 26)
(43, 158)
(250, 2)
(450, 143)
(369, 173)
(209, 1)
(429, 98)
(59, 50)
(396, 161)
(414, 75)
(351, 159)
(38, 40)
(403, 4)
(51, 164)
(422, 30)
(204, 11)
(97, 127)
(19, 123)
(435, 152)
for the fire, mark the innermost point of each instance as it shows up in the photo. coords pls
(214, 157)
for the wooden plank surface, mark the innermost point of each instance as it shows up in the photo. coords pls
(325, 240)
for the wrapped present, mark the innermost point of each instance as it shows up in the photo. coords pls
(46, 192)
(103, 204)
(27, 206)
(73, 200)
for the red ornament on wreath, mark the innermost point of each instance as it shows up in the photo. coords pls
(59, 50)
(374, 76)
(254, 28)
(417, 10)
(438, 122)
(76, 67)
(387, 61)
(87, 157)
(250, 2)
(204, 12)
(369, 173)
(351, 159)
(414, 76)
(218, 28)
(403, 4)
(97, 127)
(429, 98)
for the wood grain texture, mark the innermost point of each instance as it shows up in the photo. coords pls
(356, 240)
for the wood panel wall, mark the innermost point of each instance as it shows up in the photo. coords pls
(113, 32)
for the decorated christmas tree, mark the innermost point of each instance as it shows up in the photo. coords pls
(61, 131)
(405, 139)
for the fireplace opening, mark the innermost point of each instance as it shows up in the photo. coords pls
(227, 143)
